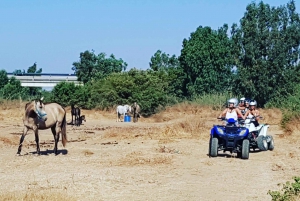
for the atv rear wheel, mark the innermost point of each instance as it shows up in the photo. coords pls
(213, 152)
(271, 143)
(262, 143)
(245, 149)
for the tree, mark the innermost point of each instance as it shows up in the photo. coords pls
(33, 69)
(68, 94)
(14, 90)
(268, 41)
(162, 61)
(93, 66)
(146, 87)
(206, 61)
(3, 78)
(169, 68)
(18, 72)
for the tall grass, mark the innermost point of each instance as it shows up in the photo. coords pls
(290, 107)
(214, 101)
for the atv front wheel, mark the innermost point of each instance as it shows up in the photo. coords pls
(262, 143)
(271, 143)
(245, 149)
(213, 152)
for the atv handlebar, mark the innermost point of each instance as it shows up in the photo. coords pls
(254, 118)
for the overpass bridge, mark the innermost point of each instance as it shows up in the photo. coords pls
(45, 80)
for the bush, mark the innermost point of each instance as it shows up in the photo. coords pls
(13, 90)
(289, 191)
(67, 94)
(290, 105)
(147, 88)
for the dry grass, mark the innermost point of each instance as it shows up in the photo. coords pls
(137, 158)
(185, 121)
(48, 195)
(292, 131)
(8, 104)
(191, 127)
(182, 110)
(271, 116)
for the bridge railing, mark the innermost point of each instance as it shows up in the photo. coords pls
(44, 79)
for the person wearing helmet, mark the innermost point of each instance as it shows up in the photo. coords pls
(245, 107)
(247, 102)
(232, 111)
(252, 112)
(242, 106)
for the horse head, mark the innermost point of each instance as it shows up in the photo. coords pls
(129, 109)
(39, 109)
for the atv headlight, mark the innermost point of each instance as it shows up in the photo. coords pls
(243, 132)
(220, 130)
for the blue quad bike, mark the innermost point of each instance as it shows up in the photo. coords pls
(229, 137)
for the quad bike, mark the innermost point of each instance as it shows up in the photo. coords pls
(229, 137)
(258, 135)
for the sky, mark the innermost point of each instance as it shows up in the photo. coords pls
(53, 33)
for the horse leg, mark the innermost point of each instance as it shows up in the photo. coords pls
(78, 121)
(25, 130)
(36, 133)
(54, 135)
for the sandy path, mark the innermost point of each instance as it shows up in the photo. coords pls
(136, 169)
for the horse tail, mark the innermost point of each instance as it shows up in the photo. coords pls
(64, 131)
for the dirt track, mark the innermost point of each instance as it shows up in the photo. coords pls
(106, 160)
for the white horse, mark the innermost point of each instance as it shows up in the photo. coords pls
(122, 110)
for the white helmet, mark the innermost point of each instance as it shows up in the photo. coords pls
(242, 99)
(253, 103)
(234, 101)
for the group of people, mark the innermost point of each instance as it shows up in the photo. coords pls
(244, 108)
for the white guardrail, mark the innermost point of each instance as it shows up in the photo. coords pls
(44, 80)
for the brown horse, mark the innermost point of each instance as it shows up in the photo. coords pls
(40, 116)
(136, 112)
(75, 111)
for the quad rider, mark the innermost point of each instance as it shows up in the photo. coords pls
(232, 111)
(247, 102)
(242, 103)
(253, 112)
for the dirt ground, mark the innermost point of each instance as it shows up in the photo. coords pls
(159, 158)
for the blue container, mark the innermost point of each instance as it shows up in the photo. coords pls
(127, 118)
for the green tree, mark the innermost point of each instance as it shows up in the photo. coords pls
(206, 60)
(33, 69)
(268, 41)
(169, 67)
(17, 72)
(34, 91)
(67, 93)
(3, 78)
(93, 66)
(13, 90)
(148, 88)
(162, 61)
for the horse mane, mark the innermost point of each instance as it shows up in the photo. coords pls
(27, 104)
